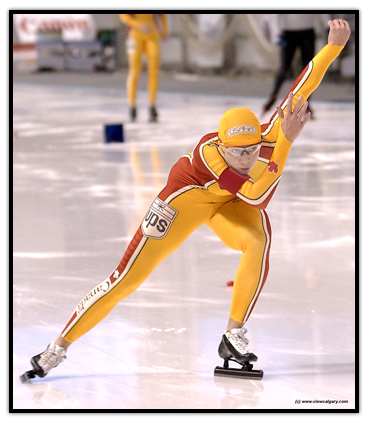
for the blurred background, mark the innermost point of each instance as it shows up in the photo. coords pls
(231, 45)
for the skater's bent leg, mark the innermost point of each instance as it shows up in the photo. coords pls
(251, 275)
(246, 229)
(141, 257)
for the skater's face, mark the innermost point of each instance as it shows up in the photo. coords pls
(242, 159)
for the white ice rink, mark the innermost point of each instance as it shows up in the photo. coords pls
(77, 202)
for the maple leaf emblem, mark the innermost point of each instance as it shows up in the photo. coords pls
(273, 167)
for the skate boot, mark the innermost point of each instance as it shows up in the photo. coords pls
(44, 362)
(234, 347)
(153, 114)
(132, 114)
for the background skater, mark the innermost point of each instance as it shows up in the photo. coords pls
(144, 33)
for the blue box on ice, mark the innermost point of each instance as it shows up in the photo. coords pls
(114, 133)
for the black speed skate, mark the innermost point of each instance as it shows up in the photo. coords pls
(234, 347)
(44, 362)
(132, 114)
(153, 115)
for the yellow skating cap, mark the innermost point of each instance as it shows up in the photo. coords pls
(239, 127)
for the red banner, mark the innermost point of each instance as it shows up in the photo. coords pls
(73, 27)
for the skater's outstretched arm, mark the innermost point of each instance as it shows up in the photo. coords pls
(258, 190)
(292, 122)
(312, 75)
(337, 38)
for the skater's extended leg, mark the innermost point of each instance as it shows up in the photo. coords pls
(165, 227)
(163, 230)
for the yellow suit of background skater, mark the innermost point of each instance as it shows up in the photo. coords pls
(144, 34)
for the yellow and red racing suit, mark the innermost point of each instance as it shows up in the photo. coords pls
(202, 189)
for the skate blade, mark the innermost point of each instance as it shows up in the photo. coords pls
(239, 373)
(27, 376)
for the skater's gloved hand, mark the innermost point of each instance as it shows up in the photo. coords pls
(294, 120)
(339, 32)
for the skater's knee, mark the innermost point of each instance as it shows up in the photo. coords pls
(254, 241)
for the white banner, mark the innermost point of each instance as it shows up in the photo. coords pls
(75, 27)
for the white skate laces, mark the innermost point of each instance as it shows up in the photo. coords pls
(51, 358)
(238, 340)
